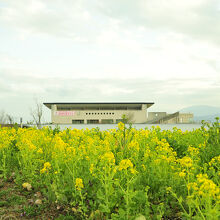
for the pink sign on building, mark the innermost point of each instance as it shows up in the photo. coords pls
(64, 113)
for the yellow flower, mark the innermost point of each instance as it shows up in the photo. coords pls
(157, 161)
(46, 168)
(182, 174)
(134, 145)
(108, 157)
(193, 186)
(91, 168)
(71, 151)
(79, 184)
(201, 193)
(147, 153)
(215, 161)
(204, 187)
(47, 165)
(133, 171)
(40, 151)
(143, 166)
(125, 164)
(186, 162)
(121, 126)
(193, 150)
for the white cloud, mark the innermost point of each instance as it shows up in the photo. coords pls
(168, 95)
(46, 17)
(9, 60)
(111, 90)
(198, 19)
(77, 19)
(167, 50)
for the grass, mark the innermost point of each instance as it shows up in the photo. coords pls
(16, 203)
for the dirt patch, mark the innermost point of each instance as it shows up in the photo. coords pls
(17, 203)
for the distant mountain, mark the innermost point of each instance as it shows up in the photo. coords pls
(203, 112)
(210, 118)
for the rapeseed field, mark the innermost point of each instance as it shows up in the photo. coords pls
(120, 173)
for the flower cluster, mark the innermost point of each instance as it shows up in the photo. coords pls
(46, 168)
(79, 184)
(125, 164)
(108, 157)
(186, 162)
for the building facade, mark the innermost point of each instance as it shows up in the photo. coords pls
(98, 113)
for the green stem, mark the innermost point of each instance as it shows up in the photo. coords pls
(200, 212)
(127, 196)
(4, 165)
(180, 203)
(106, 190)
(190, 210)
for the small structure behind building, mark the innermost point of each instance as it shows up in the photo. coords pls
(174, 118)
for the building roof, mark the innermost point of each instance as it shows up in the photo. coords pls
(49, 104)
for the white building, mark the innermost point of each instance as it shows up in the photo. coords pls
(98, 113)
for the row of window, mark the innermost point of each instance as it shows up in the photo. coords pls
(96, 121)
(100, 113)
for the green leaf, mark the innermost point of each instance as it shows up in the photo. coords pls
(140, 217)
(100, 194)
(180, 199)
(121, 212)
(103, 208)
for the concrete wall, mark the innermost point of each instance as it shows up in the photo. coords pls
(186, 118)
(183, 118)
(172, 121)
(134, 116)
(155, 115)
(175, 118)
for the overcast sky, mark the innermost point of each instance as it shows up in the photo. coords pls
(162, 51)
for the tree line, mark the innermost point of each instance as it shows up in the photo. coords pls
(36, 114)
